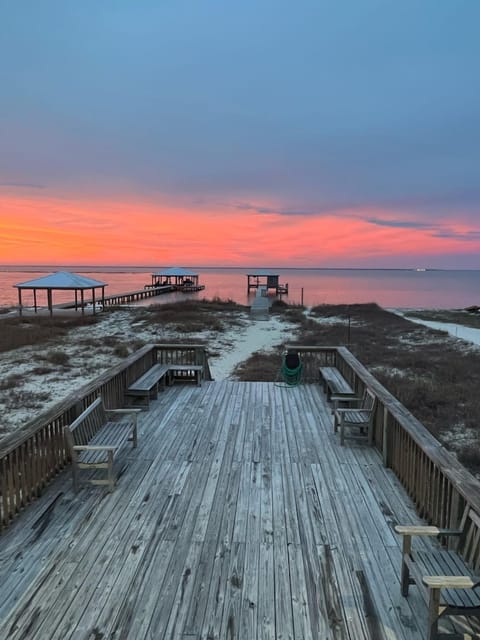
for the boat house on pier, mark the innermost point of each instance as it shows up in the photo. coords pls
(179, 279)
(266, 280)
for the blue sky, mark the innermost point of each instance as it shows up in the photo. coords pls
(306, 108)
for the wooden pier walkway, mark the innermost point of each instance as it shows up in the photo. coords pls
(134, 296)
(122, 298)
(238, 517)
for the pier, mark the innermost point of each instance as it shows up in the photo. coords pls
(121, 298)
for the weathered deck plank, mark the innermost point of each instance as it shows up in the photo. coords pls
(239, 516)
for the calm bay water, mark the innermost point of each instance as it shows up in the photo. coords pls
(388, 288)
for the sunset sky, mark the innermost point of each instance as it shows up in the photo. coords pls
(339, 133)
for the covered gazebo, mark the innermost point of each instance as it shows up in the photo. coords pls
(62, 280)
(176, 277)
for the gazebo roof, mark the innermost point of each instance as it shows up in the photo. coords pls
(262, 272)
(176, 271)
(61, 280)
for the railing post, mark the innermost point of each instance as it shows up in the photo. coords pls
(386, 444)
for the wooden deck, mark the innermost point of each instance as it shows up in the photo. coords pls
(239, 516)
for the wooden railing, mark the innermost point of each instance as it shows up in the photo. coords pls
(437, 483)
(32, 456)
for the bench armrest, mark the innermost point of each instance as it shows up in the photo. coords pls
(350, 400)
(345, 398)
(451, 582)
(123, 410)
(425, 530)
(89, 447)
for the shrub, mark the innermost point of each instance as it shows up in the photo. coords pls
(469, 456)
(59, 358)
(262, 366)
(121, 351)
(11, 381)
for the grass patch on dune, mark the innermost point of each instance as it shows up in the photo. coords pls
(262, 366)
(33, 331)
(194, 316)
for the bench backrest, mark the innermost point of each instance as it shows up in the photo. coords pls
(368, 401)
(88, 423)
(469, 543)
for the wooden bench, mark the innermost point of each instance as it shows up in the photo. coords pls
(146, 387)
(445, 577)
(358, 418)
(185, 372)
(94, 438)
(334, 383)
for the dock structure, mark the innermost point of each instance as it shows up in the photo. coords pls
(259, 309)
(128, 297)
(178, 279)
(238, 516)
(135, 296)
(265, 279)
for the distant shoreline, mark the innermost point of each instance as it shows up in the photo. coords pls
(29, 268)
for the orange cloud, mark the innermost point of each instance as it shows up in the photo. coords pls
(43, 230)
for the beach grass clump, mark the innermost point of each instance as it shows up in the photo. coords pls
(42, 370)
(194, 316)
(469, 456)
(294, 313)
(57, 358)
(26, 399)
(33, 331)
(11, 382)
(261, 366)
(121, 351)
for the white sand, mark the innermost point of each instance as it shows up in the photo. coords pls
(256, 336)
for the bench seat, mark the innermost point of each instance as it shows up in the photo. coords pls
(334, 383)
(443, 562)
(358, 420)
(146, 387)
(96, 436)
(112, 436)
